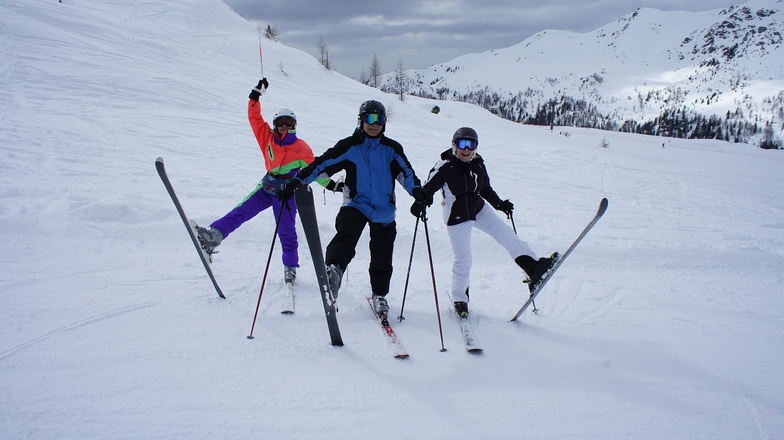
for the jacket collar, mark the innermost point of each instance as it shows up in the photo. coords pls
(448, 155)
(361, 136)
(290, 138)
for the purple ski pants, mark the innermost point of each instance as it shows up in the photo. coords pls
(258, 201)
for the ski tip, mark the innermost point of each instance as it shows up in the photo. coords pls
(159, 160)
(475, 350)
(401, 356)
(287, 312)
(603, 205)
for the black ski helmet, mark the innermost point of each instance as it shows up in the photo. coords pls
(372, 106)
(463, 133)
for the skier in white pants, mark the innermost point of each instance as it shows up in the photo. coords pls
(463, 180)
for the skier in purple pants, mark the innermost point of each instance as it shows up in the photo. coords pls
(284, 155)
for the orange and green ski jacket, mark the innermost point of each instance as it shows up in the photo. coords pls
(282, 157)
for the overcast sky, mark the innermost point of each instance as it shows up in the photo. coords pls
(420, 33)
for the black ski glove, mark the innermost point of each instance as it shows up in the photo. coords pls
(259, 90)
(286, 190)
(418, 209)
(506, 207)
(422, 196)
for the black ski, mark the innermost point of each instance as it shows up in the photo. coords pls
(189, 225)
(307, 217)
(560, 259)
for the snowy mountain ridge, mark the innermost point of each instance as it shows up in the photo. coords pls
(636, 68)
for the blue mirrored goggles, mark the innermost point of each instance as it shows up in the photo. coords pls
(374, 118)
(471, 144)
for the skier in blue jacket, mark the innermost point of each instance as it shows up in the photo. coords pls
(372, 162)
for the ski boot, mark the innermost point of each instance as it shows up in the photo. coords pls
(380, 305)
(209, 238)
(541, 268)
(334, 276)
(461, 307)
(289, 274)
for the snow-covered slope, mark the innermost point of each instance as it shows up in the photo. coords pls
(666, 322)
(707, 62)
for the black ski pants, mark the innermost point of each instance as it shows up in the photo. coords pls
(350, 223)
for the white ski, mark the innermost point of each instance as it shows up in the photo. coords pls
(471, 343)
(288, 299)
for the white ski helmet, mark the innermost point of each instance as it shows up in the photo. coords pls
(285, 113)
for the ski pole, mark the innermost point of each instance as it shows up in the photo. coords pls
(261, 61)
(433, 275)
(408, 274)
(510, 216)
(266, 270)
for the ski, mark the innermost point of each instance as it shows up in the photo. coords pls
(389, 333)
(288, 299)
(190, 225)
(469, 339)
(560, 259)
(307, 216)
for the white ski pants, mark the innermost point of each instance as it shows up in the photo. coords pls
(488, 222)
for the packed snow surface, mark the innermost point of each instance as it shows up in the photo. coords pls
(666, 322)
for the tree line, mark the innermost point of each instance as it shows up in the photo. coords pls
(372, 76)
(677, 122)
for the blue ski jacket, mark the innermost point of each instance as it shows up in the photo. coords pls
(372, 165)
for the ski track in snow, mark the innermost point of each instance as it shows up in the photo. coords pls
(107, 315)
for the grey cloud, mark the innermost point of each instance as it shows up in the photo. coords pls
(420, 33)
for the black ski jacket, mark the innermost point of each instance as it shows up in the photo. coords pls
(465, 186)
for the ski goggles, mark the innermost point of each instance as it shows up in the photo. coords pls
(374, 118)
(284, 121)
(470, 144)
